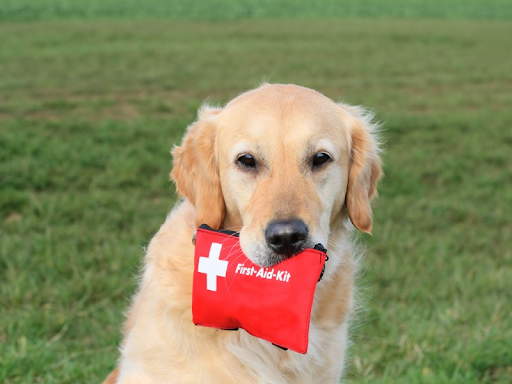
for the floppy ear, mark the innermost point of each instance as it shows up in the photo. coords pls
(195, 170)
(365, 168)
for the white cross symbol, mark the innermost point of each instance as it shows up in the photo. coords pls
(213, 267)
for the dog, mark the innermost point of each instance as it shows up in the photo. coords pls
(287, 168)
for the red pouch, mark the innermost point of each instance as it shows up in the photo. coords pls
(231, 292)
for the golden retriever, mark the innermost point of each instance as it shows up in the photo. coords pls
(288, 168)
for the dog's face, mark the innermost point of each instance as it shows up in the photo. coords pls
(281, 164)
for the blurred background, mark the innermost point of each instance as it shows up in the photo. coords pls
(93, 94)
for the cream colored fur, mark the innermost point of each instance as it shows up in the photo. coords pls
(282, 126)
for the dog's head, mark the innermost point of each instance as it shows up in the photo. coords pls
(281, 164)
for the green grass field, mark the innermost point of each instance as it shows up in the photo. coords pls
(90, 108)
(252, 9)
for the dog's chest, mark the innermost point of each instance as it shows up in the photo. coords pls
(266, 363)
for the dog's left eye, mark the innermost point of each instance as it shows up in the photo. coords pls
(320, 159)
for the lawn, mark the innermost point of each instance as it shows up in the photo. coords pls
(89, 110)
(252, 9)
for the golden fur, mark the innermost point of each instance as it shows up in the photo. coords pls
(283, 127)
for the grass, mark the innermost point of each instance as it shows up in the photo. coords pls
(253, 9)
(90, 109)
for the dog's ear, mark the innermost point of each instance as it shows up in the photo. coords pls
(365, 168)
(195, 171)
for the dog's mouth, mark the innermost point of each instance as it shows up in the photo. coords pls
(262, 255)
(270, 258)
(285, 239)
(282, 240)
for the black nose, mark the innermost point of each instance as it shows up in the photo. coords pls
(286, 237)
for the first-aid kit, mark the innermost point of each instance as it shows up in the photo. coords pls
(231, 292)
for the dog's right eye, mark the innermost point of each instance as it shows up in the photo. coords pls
(247, 161)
